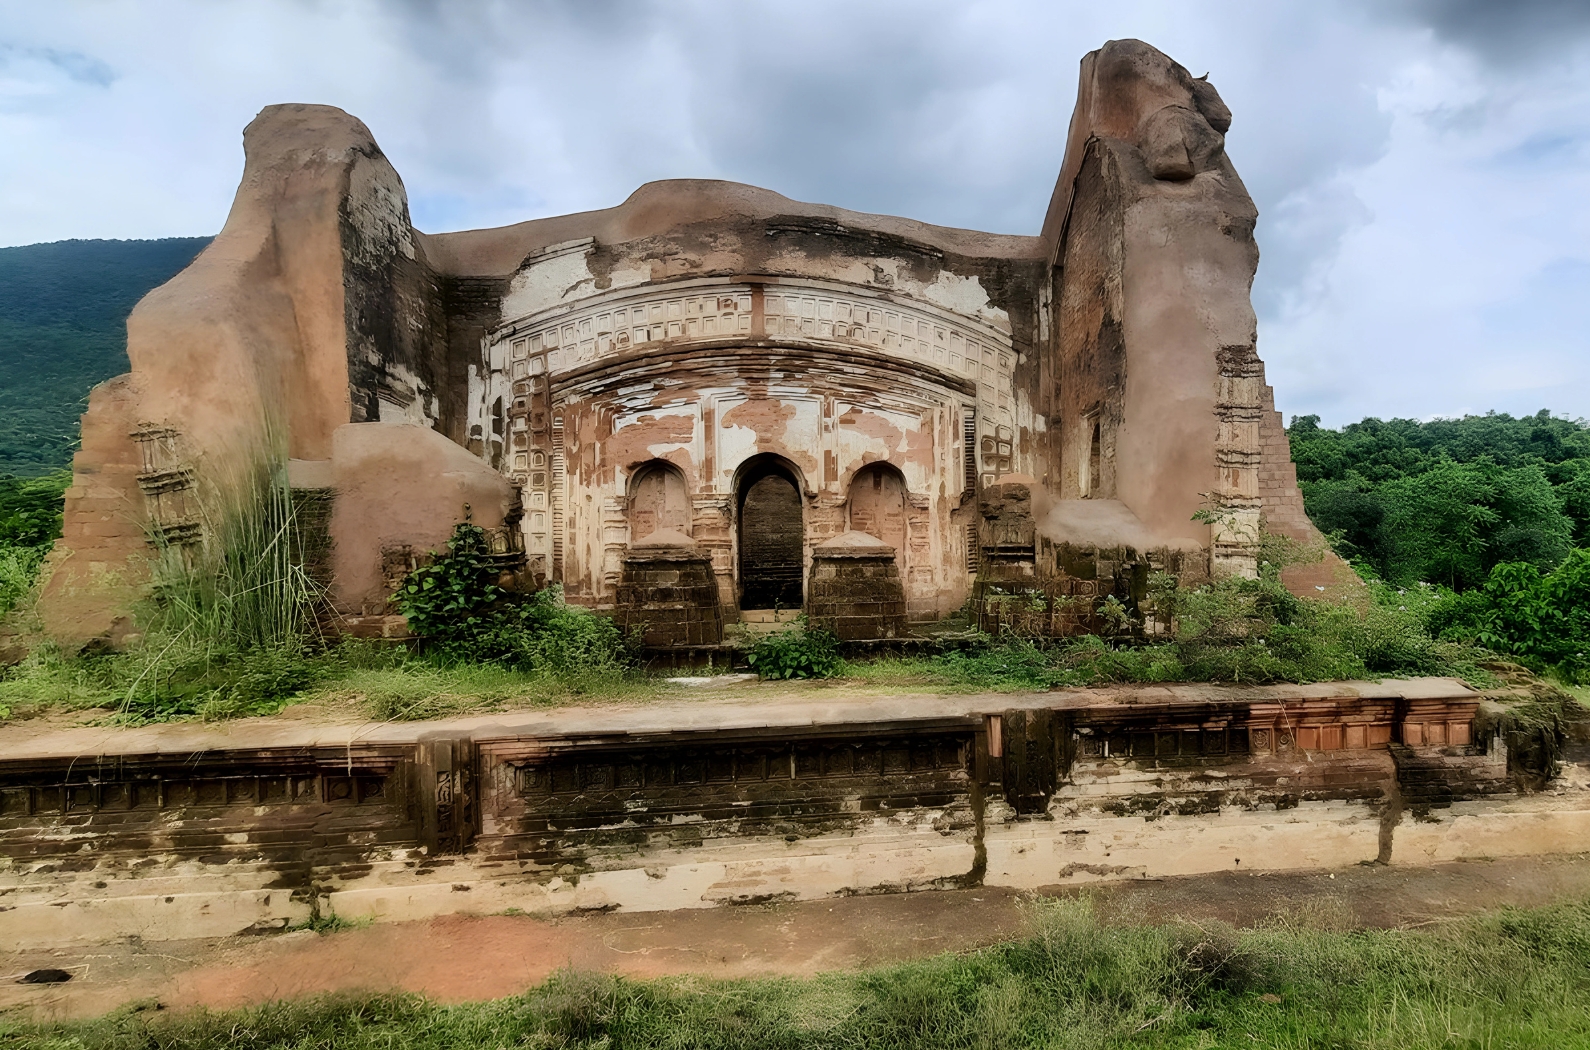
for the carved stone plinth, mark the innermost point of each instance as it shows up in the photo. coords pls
(669, 592)
(855, 589)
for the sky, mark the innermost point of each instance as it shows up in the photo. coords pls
(1421, 167)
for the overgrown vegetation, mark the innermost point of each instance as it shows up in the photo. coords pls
(63, 313)
(800, 651)
(1232, 630)
(1514, 978)
(231, 630)
(30, 520)
(461, 614)
(1487, 517)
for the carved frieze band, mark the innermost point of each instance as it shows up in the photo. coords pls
(622, 323)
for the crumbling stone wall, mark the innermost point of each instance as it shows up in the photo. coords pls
(555, 811)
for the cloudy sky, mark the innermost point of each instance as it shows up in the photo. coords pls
(1422, 167)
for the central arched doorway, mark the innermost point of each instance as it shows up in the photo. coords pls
(771, 534)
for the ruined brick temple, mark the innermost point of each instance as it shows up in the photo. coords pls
(710, 378)
(704, 404)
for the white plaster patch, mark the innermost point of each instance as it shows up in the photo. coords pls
(965, 295)
(559, 276)
(628, 278)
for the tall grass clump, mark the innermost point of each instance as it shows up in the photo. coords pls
(228, 627)
(245, 586)
(231, 622)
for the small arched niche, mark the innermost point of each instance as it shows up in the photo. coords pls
(658, 499)
(877, 505)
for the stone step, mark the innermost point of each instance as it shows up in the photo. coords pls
(769, 615)
(767, 621)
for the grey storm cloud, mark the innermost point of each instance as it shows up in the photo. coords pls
(1419, 165)
(1506, 32)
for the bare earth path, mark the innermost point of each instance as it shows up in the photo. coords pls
(462, 958)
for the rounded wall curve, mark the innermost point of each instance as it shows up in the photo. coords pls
(708, 376)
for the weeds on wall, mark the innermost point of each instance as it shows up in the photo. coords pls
(800, 651)
(1234, 630)
(462, 616)
(1511, 978)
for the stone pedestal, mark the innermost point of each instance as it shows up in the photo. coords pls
(855, 589)
(669, 591)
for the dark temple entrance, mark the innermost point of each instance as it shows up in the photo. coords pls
(771, 532)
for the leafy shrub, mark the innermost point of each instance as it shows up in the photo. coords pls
(456, 597)
(800, 652)
(456, 606)
(1542, 618)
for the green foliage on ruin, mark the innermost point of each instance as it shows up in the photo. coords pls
(1514, 978)
(63, 313)
(462, 616)
(800, 651)
(1233, 630)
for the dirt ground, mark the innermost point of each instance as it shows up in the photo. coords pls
(462, 958)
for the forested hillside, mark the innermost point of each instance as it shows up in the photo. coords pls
(63, 313)
(1446, 501)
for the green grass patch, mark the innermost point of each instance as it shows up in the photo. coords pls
(1514, 978)
(391, 684)
(380, 682)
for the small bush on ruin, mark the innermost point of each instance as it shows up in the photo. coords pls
(803, 651)
(462, 616)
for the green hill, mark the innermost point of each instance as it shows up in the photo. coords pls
(63, 313)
